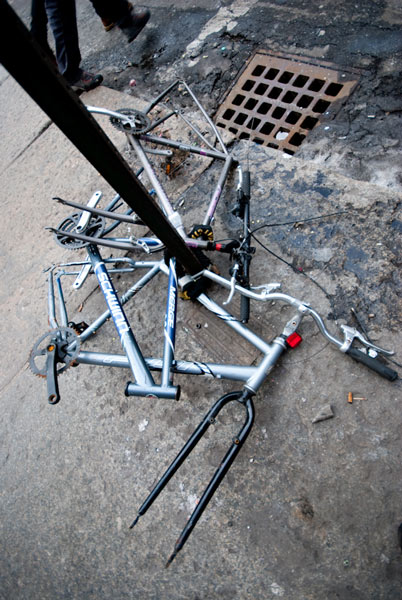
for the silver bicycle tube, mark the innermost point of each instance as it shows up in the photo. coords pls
(51, 309)
(182, 367)
(171, 214)
(154, 139)
(218, 191)
(206, 116)
(62, 304)
(136, 360)
(170, 326)
(234, 323)
(134, 289)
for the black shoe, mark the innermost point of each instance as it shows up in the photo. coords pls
(108, 24)
(135, 24)
(87, 81)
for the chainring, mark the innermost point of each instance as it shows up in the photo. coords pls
(95, 228)
(68, 347)
(139, 122)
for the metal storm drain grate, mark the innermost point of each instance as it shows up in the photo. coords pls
(277, 100)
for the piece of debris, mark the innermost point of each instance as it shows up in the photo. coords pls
(351, 397)
(281, 135)
(324, 414)
(143, 425)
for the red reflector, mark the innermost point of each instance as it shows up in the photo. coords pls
(218, 246)
(294, 340)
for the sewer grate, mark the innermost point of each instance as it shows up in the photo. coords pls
(277, 100)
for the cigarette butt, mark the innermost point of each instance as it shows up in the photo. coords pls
(351, 397)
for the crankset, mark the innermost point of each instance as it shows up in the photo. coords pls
(95, 228)
(51, 355)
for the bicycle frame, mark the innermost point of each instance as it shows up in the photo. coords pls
(64, 344)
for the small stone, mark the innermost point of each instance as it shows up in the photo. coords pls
(324, 414)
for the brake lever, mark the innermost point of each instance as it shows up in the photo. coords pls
(351, 333)
(232, 284)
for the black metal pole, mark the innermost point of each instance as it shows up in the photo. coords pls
(27, 63)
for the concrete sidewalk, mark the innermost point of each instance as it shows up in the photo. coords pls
(308, 511)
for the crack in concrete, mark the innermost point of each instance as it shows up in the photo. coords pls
(37, 136)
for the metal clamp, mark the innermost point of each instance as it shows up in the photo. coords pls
(267, 288)
(292, 325)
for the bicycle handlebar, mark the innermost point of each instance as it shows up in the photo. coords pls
(304, 309)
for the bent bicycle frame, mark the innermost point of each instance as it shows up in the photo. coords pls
(142, 382)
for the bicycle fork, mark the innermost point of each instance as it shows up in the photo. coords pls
(277, 347)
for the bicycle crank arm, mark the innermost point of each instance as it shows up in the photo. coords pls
(53, 395)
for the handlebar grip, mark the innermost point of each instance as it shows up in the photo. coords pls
(373, 363)
(244, 309)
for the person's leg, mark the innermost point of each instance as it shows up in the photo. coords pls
(63, 22)
(39, 25)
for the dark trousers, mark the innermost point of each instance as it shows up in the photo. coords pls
(39, 23)
(62, 17)
(63, 22)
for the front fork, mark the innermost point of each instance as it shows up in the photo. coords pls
(244, 398)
